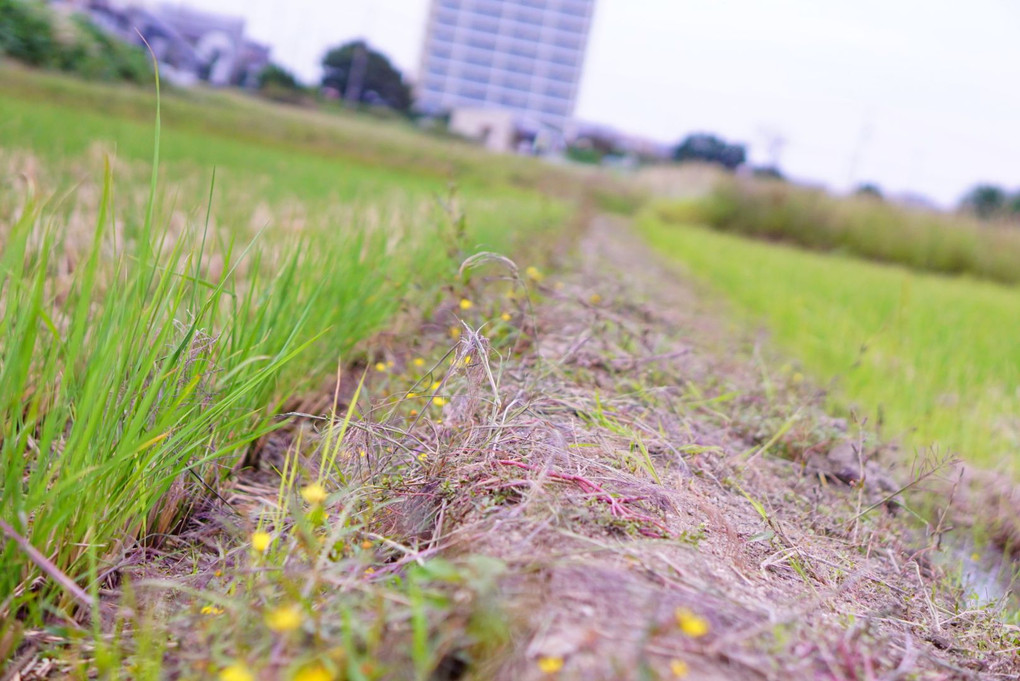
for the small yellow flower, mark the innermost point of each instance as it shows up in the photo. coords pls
(412, 395)
(436, 385)
(236, 672)
(370, 571)
(454, 332)
(976, 557)
(550, 665)
(380, 366)
(414, 412)
(595, 299)
(367, 544)
(467, 360)
(260, 541)
(466, 304)
(212, 610)
(679, 668)
(362, 453)
(314, 494)
(439, 422)
(439, 401)
(218, 573)
(313, 672)
(283, 619)
(533, 273)
(423, 457)
(505, 317)
(691, 624)
(418, 362)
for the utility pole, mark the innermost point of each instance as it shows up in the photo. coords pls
(356, 78)
(359, 62)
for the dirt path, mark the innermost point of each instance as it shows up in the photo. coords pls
(651, 531)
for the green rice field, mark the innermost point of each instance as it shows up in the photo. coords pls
(933, 360)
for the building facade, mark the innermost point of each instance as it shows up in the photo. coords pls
(523, 56)
(190, 45)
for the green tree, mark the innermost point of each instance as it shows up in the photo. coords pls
(710, 149)
(985, 200)
(359, 73)
(869, 190)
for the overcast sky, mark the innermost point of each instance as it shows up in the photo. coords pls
(915, 95)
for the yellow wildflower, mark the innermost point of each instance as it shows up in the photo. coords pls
(212, 610)
(533, 273)
(505, 317)
(466, 304)
(260, 541)
(550, 665)
(313, 672)
(454, 332)
(380, 366)
(314, 494)
(439, 401)
(412, 395)
(595, 299)
(236, 672)
(423, 457)
(436, 385)
(467, 360)
(418, 362)
(691, 624)
(366, 544)
(679, 668)
(283, 619)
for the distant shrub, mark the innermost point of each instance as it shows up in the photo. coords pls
(26, 32)
(274, 75)
(948, 244)
(31, 33)
(280, 85)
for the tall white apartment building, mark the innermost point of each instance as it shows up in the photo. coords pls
(523, 56)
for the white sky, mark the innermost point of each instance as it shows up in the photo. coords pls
(916, 95)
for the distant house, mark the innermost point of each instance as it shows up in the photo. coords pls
(226, 56)
(503, 131)
(190, 45)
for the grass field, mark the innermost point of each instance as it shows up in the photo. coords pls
(153, 325)
(932, 359)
